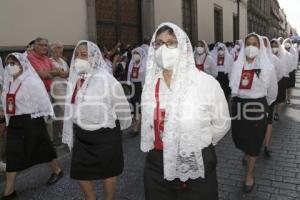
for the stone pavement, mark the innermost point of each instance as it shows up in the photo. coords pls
(276, 179)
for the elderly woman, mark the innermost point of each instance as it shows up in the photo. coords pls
(96, 112)
(203, 59)
(136, 76)
(254, 87)
(59, 86)
(184, 115)
(224, 64)
(26, 103)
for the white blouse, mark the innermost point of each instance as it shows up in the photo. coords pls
(100, 102)
(279, 67)
(210, 66)
(287, 60)
(264, 86)
(24, 98)
(204, 108)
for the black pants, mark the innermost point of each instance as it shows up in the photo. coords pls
(157, 188)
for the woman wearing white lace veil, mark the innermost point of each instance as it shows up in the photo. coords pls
(288, 45)
(136, 76)
(224, 62)
(287, 60)
(279, 69)
(254, 86)
(26, 103)
(184, 114)
(96, 112)
(203, 59)
(236, 49)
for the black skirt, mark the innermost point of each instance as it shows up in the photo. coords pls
(136, 99)
(28, 143)
(97, 154)
(271, 113)
(156, 187)
(249, 129)
(282, 86)
(292, 79)
(224, 82)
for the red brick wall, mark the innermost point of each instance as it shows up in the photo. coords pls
(118, 22)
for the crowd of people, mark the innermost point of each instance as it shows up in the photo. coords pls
(175, 96)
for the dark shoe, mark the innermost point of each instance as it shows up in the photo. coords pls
(267, 152)
(55, 178)
(276, 117)
(10, 197)
(248, 188)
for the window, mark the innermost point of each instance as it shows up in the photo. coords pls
(190, 25)
(218, 20)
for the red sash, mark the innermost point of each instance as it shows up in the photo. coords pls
(135, 71)
(201, 66)
(79, 84)
(159, 120)
(246, 79)
(221, 61)
(11, 100)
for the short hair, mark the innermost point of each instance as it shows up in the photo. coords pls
(30, 43)
(39, 39)
(56, 44)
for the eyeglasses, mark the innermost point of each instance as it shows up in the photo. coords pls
(170, 44)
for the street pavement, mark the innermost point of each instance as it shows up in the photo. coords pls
(277, 178)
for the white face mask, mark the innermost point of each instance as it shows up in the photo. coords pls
(251, 51)
(166, 58)
(200, 50)
(287, 45)
(275, 50)
(136, 57)
(82, 66)
(238, 47)
(13, 69)
(221, 52)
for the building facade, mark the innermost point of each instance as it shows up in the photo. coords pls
(106, 22)
(259, 16)
(265, 17)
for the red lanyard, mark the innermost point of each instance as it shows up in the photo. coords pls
(79, 84)
(201, 66)
(16, 90)
(159, 120)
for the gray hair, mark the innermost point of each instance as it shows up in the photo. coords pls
(56, 44)
(39, 39)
